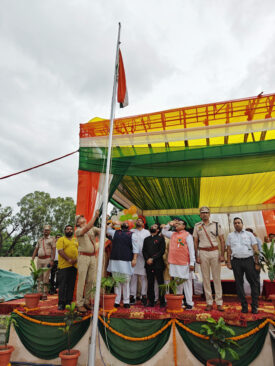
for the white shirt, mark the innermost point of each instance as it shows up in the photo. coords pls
(241, 243)
(138, 239)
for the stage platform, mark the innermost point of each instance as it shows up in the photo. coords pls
(232, 313)
(151, 335)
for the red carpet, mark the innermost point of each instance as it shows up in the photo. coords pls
(232, 313)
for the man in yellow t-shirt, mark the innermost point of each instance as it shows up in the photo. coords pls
(67, 247)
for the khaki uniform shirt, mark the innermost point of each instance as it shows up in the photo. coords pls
(211, 230)
(87, 242)
(45, 246)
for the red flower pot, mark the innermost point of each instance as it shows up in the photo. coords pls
(107, 301)
(69, 359)
(5, 354)
(32, 300)
(217, 362)
(174, 302)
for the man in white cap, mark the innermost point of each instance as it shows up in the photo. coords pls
(206, 234)
(45, 249)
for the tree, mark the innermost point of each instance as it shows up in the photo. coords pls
(35, 210)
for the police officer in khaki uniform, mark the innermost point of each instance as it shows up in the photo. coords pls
(86, 235)
(45, 249)
(206, 233)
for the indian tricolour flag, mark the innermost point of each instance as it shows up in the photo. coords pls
(122, 94)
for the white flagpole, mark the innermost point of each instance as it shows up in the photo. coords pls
(92, 350)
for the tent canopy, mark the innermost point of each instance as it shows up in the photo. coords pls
(172, 162)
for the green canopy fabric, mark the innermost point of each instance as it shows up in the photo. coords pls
(210, 161)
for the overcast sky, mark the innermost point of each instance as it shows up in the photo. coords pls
(57, 64)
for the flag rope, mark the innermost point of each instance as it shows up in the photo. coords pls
(38, 166)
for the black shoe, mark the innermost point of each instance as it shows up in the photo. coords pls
(188, 307)
(132, 300)
(126, 306)
(244, 310)
(254, 311)
(162, 305)
(144, 300)
(117, 305)
(61, 307)
(150, 305)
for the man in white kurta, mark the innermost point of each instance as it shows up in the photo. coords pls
(139, 234)
(122, 260)
(180, 240)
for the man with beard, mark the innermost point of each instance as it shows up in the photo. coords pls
(122, 261)
(86, 235)
(181, 258)
(153, 251)
(45, 248)
(67, 247)
(139, 234)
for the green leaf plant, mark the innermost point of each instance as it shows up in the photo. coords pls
(6, 322)
(171, 286)
(107, 283)
(71, 316)
(267, 260)
(218, 333)
(35, 274)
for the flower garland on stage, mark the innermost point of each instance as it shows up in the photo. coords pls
(172, 322)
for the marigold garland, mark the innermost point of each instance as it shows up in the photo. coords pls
(47, 323)
(196, 334)
(174, 343)
(174, 311)
(135, 339)
(154, 335)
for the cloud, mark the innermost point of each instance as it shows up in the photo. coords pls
(57, 68)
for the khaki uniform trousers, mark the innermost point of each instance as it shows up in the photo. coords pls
(87, 267)
(44, 277)
(210, 261)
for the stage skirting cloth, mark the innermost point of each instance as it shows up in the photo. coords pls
(135, 341)
(229, 287)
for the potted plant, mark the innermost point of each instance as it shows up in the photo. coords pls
(107, 300)
(32, 299)
(174, 301)
(267, 262)
(217, 331)
(69, 356)
(6, 349)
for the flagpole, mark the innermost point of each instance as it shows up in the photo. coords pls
(92, 350)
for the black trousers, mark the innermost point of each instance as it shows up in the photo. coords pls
(66, 282)
(246, 266)
(151, 275)
(53, 278)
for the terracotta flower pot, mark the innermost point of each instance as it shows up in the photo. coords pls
(107, 301)
(217, 362)
(174, 302)
(69, 359)
(32, 300)
(5, 354)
